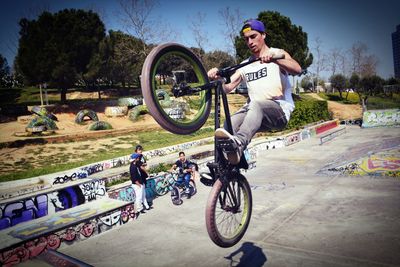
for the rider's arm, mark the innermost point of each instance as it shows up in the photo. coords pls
(288, 63)
(236, 78)
(173, 168)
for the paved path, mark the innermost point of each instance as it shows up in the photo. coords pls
(301, 216)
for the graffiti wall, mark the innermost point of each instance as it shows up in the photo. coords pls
(292, 138)
(126, 193)
(384, 163)
(26, 209)
(68, 236)
(377, 118)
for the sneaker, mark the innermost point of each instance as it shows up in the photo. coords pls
(232, 156)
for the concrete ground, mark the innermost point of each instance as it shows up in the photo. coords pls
(302, 216)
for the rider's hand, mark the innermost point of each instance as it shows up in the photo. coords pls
(267, 57)
(212, 74)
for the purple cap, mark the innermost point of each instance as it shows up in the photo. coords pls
(253, 24)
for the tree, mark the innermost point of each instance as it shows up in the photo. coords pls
(335, 58)
(338, 81)
(320, 60)
(218, 59)
(306, 83)
(57, 48)
(281, 33)
(363, 64)
(200, 36)
(136, 15)
(4, 71)
(232, 23)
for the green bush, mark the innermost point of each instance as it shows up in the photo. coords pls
(308, 111)
(160, 168)
(99, 125)
(134, 113)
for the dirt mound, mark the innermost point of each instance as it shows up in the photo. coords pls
(342, 111)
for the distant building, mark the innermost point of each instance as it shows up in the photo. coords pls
(396, 51)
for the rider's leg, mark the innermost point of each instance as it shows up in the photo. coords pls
(266, 114)
(248, 120)
(187, 182)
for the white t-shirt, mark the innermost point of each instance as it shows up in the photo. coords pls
(267, 81)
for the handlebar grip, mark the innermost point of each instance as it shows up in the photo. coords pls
(279, 56)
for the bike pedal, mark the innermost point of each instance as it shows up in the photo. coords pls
(206, 182)
(227, 145)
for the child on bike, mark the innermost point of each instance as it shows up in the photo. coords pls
(270, 101)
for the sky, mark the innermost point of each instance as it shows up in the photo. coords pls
(336, 23)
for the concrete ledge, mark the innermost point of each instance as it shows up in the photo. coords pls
(24, 232)
(332, 134)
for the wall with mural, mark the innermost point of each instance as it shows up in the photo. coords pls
(376, 118)
(42, 204)
(67, 236)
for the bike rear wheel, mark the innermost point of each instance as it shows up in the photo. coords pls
(228, 210)
(172, 65)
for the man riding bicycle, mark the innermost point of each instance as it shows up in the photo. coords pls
(185, 168)
(270, 101)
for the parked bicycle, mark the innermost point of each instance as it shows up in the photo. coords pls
(229, 203)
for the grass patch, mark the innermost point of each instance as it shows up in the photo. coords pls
(374, 102)
(381, 102)
(352, 98)
(149, 140)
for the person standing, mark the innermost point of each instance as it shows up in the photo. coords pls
(138, 184)
(142, 163)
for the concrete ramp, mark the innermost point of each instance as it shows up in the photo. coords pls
(372, 158)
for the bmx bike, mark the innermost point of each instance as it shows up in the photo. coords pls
(183, 107)
(179, 190)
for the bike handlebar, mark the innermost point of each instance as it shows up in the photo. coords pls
(184, 89)
(228, 71)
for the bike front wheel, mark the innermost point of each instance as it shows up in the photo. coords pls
(176, 196)
(170, 66)
(162, 188)
(228, 210)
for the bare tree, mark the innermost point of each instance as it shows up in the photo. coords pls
(320, 59)
(344, 64)
(197, 27)
(138, 20)
(335, 58)
(231, 22)
(368, 66)
(363, 64)
(357, 52)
